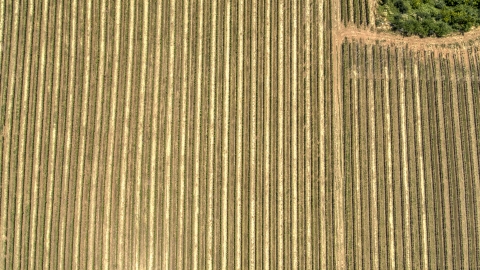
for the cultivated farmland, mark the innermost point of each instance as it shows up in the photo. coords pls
(179, 134)
(358, 12)
(410, 130)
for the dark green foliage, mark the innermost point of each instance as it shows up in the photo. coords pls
(431, 17)
(423, 28)
(402, 6)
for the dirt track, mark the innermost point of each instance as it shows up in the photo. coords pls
(369, 36)
(233, 134)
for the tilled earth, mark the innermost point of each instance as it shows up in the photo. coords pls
(180, 134)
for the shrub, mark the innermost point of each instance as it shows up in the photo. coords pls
(402, 6)
(432, 17)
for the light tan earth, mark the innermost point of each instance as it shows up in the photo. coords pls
(234, 135)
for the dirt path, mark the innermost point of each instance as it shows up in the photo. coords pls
(414, 42)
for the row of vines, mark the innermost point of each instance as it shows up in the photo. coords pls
(358, 12)
(411, 121)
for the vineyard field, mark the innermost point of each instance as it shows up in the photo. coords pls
(180, 134)
(410, 130)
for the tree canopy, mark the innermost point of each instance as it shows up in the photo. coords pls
(431, 17)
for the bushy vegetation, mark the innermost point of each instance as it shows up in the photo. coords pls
(431, 17)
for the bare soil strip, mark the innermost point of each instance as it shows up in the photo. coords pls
(391, 226)
(111, 142)
(53, 137)
(372, 5)
(68, 134)
(294, 143)
(475, 58)
(308, 135)
(420, 165)
(153, 147)
(356, 146)
(183, 134)
(168, 139)
(437, 167)
(364, 186)
(321, 101)
(373, 161)
(83, 134)
(253, 139)
(2, 25)
(238, 140)
(351, 13)
(21, 153)
(280, 136)
(338, 163)
(225, 149)
(473, 142)
(97, 146)
(431, 165)
(125, 135)
(2, 102)
(38, 131)
(140, 124)
(2, 113)
(459, 157)
(445, 182)
(406, 189)
(267, 171)
(196, 176)
(211, 139)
